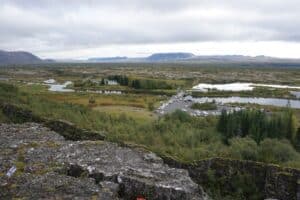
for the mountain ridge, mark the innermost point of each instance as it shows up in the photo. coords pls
(23, 57)
(20, 57)
(190, 57)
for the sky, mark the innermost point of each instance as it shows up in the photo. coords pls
(79, 29)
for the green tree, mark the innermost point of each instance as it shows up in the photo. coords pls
(92, 100)
(151, 106)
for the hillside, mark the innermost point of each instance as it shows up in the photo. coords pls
(19, 57)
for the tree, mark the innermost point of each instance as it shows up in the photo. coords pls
(258, 125)
(151, 106)
(222, 123)
(102, 81)
(92, 100)
(290, 123)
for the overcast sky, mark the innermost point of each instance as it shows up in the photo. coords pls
(101, 28)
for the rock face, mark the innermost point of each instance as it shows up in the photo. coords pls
(271, 181)
(50, 167)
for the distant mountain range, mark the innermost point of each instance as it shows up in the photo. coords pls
(241, 58)
(108, 59)
(191, 58)
(21, 57)
(157, 57)
(169, 56)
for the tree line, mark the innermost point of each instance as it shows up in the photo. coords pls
(141, 83)
(258, 125)
(148, 84)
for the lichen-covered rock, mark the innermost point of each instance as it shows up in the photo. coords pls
(50, 167)
(53, 186)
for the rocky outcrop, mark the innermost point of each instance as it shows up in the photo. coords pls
(48, 166)
(270, 181)
(19, 115)
(67, 129)
(71, 132)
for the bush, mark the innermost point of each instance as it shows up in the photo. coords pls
(92, 100)
(277, 151)
(204, 106)
(180, 116)
(8, 88)
(239, 186)
(151, 106)
(243, 148)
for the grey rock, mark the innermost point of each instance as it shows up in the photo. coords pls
(50, 167)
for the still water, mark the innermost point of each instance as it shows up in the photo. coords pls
(204, 87)
(253, 100)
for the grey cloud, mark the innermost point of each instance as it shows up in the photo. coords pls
(67, 24)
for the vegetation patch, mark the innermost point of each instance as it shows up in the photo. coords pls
(258, 125)
(241, 185)
(205, 106)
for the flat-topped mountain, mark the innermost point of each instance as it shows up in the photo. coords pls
(169, 56)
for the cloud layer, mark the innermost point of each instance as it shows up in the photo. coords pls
(66, 25)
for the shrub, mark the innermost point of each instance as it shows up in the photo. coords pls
(92, 100)
(151, 106)
(204, 106)
(277, 151)
(180, 116)
(8, 88)
(243, 148)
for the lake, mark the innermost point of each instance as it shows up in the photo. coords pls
(204, 87)
(55, 87)
(59, 87)
(253, 100)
